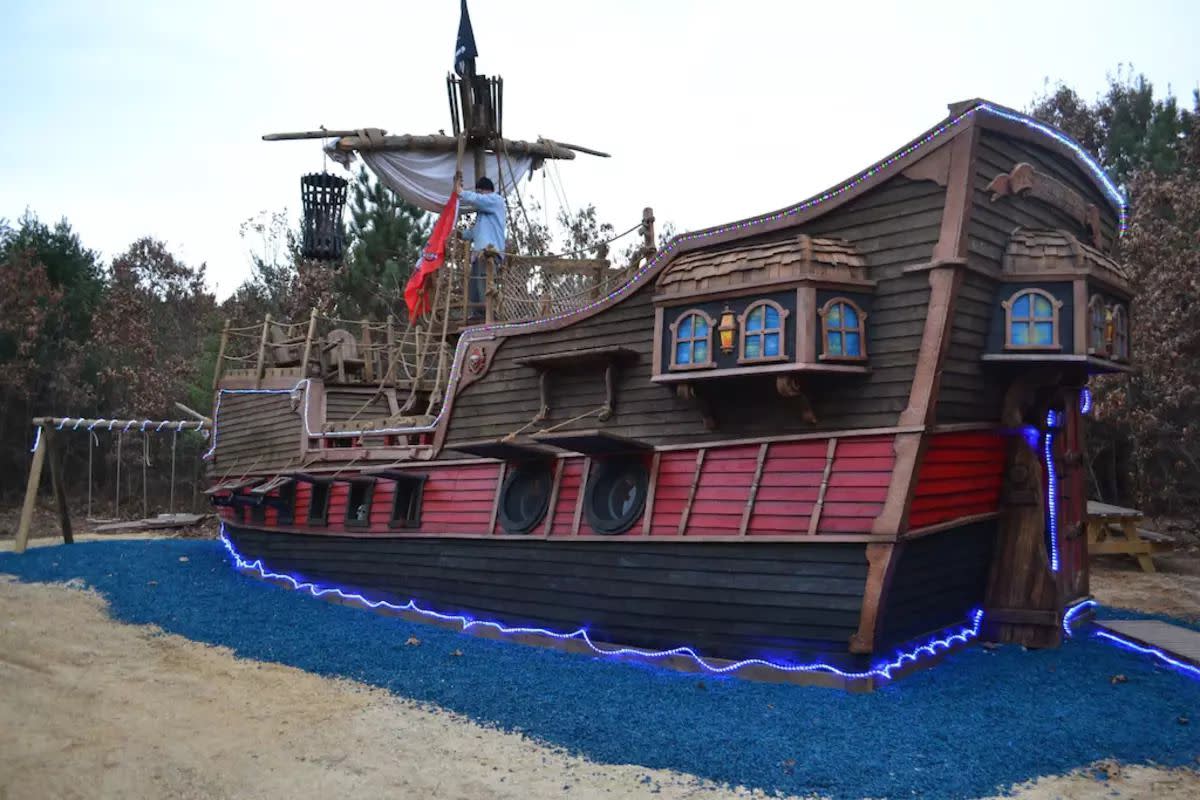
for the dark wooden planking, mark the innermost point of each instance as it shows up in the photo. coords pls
(724, 609)
(256, 431)
(893, 227)
(938, 580)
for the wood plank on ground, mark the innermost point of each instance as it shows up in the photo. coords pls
(1182, 644)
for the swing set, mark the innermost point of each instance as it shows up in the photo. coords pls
(48, 440)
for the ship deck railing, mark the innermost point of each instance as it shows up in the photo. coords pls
(404, 355)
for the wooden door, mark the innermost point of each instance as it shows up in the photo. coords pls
(1072, 500)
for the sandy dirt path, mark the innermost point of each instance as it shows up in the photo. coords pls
(92, 708)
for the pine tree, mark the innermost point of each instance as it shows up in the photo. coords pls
(385, 236)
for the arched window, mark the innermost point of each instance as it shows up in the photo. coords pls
(762, 333)
(843, 330)
(1031, 317)
(1096, 320)
(1120, 349)
(691, 341)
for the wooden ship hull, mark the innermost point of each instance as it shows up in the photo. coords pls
(878, 437)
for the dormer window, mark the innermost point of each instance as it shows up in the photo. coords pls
(1031, 321)
(762, 333)
(842, 330)
(1097, 314)
(1120, 344)
(691, 337)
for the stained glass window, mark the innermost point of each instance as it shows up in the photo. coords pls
(1120, 334)
(842, 326)
(1033, 320)
(762, 332)
(693, 333)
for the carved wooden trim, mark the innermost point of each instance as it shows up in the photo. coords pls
(806, 310)
(814, 519)
(687, 509)
(758, 471)
(1083, 317)
(860, 329)
(956, 213)
(944, 283)
(881, 560)
(656, 353)
(651, 491)
(1024, 180)
(934, 167)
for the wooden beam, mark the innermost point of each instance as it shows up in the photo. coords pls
(648, 512)
(583, 479)
(31, 490)
(220, 355)
(815, 519)
(496, 500)
(554, 487)
(687, 509)
(758, 471)
(262, 352)
(443, 144)
(54, 446)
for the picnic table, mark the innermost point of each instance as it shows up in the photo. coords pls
(1113, 530)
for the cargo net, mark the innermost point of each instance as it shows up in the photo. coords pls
(536, 287)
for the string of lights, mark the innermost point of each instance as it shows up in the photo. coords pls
(883, 670)
(1187, 669)
(1052, 420)
(142, 426)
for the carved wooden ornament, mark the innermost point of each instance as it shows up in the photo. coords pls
(1024, 180)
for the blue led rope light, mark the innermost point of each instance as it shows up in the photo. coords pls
(884, 670)
(485, 332)
(1186, 669)
(1085, 400)
(1052, 488)
(1074, 611)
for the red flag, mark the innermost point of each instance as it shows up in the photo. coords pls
(416, 293)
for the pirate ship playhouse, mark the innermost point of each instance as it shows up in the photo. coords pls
(823, 443)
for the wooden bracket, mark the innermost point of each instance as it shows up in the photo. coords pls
(791, 386)
(544, 395)
(689, 392)
(610, 391)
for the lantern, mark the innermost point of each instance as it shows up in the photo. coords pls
(323, 197)
(726, 330)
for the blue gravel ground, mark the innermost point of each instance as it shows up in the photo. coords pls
(979, 722)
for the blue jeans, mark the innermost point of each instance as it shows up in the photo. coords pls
(477, 283)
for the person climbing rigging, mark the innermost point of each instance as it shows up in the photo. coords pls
(488, 233)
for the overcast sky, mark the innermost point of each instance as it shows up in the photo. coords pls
(144, 118)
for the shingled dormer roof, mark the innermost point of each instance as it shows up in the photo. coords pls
(1034, 252)
(789, 260)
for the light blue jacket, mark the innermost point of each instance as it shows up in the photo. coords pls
(490, 226)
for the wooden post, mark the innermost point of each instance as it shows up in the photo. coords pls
(308, 343)
(54, 445)
(262, 353)
(489, 287)
(31, 490)
(368, 355)
(220, 356)
(648, 232)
